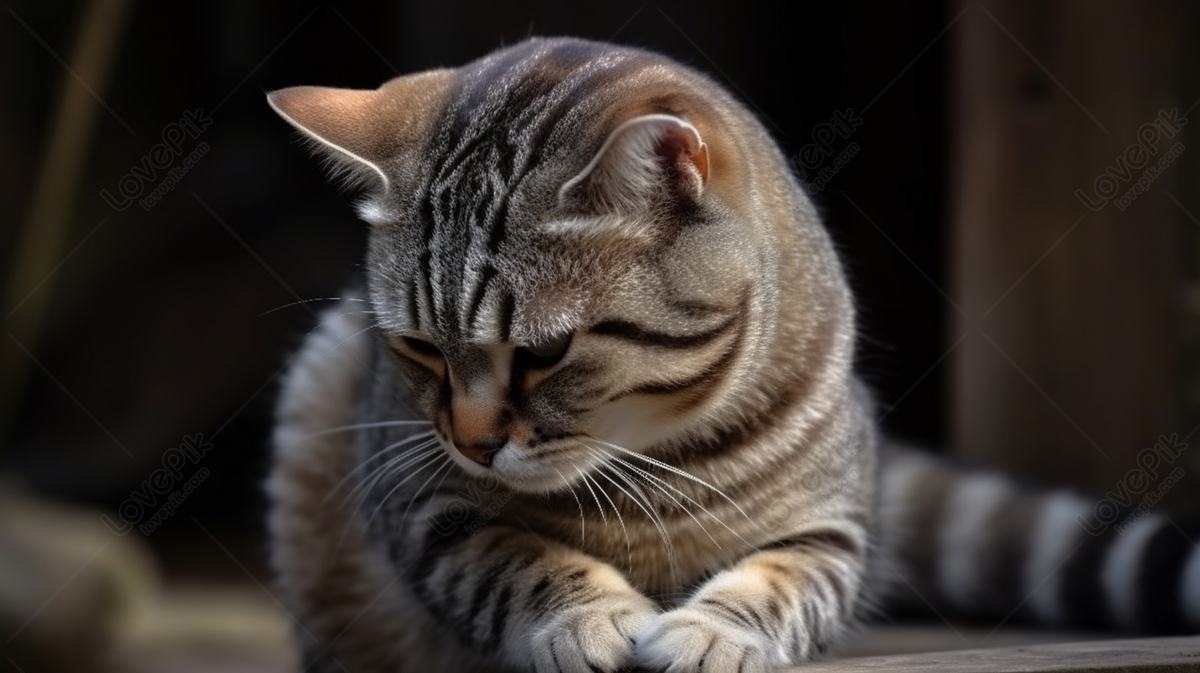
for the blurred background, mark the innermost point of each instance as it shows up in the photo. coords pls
(1008, 182)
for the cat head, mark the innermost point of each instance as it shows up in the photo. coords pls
(576, 250)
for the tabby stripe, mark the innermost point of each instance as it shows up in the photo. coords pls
(629, 331)
(1056, 533)
(972, 502)
(499, 618)
(1160, 581)
(693, 308)
(1122, 567)
(450, 598)
(927, 494)
(508, 307)
(395, 350)
(487, 586)
(709, 374)
(1001, 565)
(489, 272)
(1083, 593)
(425, 285)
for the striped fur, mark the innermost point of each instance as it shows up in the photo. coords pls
(592, 275)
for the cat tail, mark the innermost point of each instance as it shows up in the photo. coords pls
(974, 545)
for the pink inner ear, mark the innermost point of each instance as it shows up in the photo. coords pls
(681, 150)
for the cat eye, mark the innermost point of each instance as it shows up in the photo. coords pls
(423, 347)
(545, 354)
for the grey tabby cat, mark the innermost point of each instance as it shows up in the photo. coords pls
(595, 406)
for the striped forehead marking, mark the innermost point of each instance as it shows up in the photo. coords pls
(491, 137)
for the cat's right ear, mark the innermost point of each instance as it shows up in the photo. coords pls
(363, 131)
(640, 159)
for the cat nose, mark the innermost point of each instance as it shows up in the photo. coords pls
(480, 449)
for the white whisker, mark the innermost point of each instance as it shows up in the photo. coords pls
(307, 301)
(367, 463)
(605, 470)
(650, 480)
(620, 519)
(448, 462)
(582, 518)
(676, 470)
(417, 471)
(393, 466)
(603, 516)
(360, 426)
(339, 344)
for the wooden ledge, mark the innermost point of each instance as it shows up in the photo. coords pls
(1138, 655)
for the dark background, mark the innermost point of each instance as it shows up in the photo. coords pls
(154, 325)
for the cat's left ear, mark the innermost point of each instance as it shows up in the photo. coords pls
(363, 130)
(640, 159)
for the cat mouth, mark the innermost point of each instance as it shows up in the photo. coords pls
(545, 467)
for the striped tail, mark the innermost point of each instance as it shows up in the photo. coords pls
(977, 546)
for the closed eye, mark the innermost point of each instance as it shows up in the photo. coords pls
(422, 347)
(548, 354)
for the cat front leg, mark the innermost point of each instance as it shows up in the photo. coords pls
(776, 607)
(530, 603)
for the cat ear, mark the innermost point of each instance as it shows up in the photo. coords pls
(640, 158)
(362, 130)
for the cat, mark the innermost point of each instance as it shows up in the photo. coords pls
(594, 405)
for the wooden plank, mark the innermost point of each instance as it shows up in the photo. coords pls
(1072, 360)
(1109, 656)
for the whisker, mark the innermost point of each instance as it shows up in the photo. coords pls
(360, 426)
(676, 470)
(367, 463)
(620, 519)
(647, 479)
(393, 466)
(582, 518)
(367, 524)
(307, 301)
(417, 471)
(603, 516)
(605, 470)
(446, 463)
(704, 509)
(339, 344)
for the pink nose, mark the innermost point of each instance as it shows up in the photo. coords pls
(480, 449)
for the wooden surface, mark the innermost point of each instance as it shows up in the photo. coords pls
(1109, 656)
(1071, 348)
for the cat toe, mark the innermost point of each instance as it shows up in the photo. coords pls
(689, 641)
(592, 638)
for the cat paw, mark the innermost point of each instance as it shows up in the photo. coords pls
(689, 640)
(592, 638)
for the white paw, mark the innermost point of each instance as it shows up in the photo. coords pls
(689, 640)
(592, 638)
